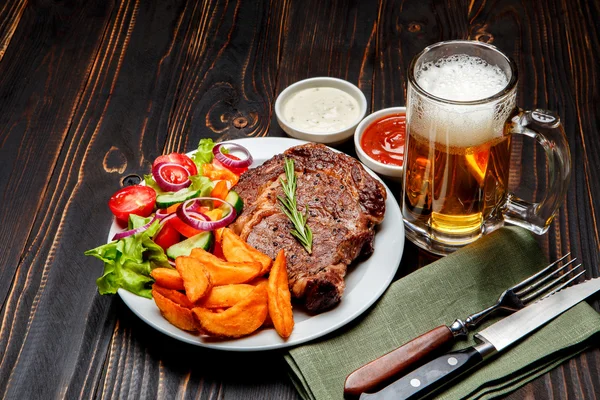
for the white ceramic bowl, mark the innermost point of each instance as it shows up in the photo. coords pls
(389, 171)
(331, 138)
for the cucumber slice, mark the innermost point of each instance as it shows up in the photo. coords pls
(236, 201)
(166, 200)
(202, 240)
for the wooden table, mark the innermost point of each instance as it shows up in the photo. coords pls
(92, 91)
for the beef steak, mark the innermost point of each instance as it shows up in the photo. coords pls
(344, 202)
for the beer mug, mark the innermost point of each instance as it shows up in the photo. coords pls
(461, 116)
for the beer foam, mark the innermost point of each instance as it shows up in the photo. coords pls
(461, 78)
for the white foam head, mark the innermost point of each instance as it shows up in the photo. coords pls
(460, 78)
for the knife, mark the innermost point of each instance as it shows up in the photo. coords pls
(490, 341)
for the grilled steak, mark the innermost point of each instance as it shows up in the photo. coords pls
(344, 202)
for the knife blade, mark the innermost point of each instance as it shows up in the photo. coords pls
(490, 341)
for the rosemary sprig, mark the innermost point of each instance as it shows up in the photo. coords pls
(289, 207)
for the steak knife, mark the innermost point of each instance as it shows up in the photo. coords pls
(490, 341)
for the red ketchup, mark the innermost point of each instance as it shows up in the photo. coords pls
(383, 140)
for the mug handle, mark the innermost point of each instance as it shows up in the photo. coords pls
(546, 128)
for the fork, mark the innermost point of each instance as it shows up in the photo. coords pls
(544, 283)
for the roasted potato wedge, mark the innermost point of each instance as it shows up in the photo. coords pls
(226, 296)
(280, 299)
(177, 315)
(173, 295)
(225, 273)
(240, 320)
(196, 278)
(237, 250)
(168, 278)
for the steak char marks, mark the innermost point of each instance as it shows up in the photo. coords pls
(344, 202)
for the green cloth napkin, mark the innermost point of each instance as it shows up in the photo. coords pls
(452, 287)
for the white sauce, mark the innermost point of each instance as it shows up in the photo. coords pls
(321, 109)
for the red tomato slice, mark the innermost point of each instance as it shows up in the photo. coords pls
(137, 199)
(178, 158)
(167, 236)
(237, 171)
(174, 173)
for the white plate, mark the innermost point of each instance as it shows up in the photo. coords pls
(365, 281)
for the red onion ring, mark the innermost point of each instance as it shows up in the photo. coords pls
(130, 232)
(166, 185)
(165, 219)
(185, 214)
(228, 162)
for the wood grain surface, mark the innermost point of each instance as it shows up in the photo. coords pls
(92, 91)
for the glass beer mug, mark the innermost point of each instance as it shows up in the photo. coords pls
(461, 115)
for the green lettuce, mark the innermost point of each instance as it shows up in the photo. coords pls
(128, 261)
(204, 155)
(203, 184)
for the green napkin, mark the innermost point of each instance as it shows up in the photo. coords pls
(452, 287)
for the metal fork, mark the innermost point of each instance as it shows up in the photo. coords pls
(536, 287)
(528, 291)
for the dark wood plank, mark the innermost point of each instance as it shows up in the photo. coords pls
(51, 47)
(10, 16)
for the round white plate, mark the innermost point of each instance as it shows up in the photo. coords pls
(365, 281)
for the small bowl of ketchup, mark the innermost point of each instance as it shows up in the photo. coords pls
(379, 141)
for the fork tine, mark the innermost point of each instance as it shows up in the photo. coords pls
(528, 298)
(542, 272)
(544, 279)
(564, 285)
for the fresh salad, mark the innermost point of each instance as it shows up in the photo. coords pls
(179, 207)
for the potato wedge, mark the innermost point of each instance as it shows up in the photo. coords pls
(240, 320)
(236, 250)
(225, 273)
(226, 296)
(280, 299)
(173, 295)
(168, 278)
(196, 278)
(177, 315)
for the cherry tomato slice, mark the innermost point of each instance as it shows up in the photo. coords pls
(178, 158)
(237, 171)
(137, 199)
(174, 173)
(167, 236)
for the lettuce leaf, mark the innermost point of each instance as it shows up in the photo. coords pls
(204, 155)
(203, 184)
(128, 261)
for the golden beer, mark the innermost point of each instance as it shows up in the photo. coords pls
(453, 190)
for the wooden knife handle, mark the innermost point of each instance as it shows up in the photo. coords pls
(381, 370)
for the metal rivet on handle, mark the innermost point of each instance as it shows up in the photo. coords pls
(415, 382)
(452, 361)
